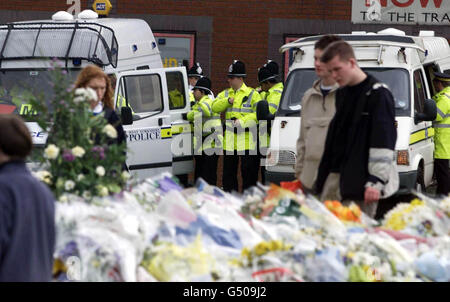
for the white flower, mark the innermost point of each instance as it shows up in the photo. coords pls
(102, 191)
(80, 177)
(78, 99)
(69, 185)
(51, 152)
(64, 198)
(78, 151)
(44, 176)
(110, 131)
(125, 175)
(85, 94)
(100, 171)
(80, 92)
(91, 95)
(87, 195)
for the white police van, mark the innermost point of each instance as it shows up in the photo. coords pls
(158, 134)
(405, 63)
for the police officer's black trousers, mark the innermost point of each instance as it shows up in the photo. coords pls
(206, 168)
(249, 171)
(442, 172)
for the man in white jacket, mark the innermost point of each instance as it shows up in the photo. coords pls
(318, 108)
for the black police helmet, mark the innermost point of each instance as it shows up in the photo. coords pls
(264, 74)
(203, 84)
(273, 66)
(237, 69)
(195, 71)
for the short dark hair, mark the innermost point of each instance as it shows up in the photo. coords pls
(338, 48)
(326, 40)
(15, 140)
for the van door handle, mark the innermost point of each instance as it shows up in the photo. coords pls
(160, 121)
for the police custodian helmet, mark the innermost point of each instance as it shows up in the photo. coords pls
(204, 83)
(237, 69)
(195, 71)
(264, 74)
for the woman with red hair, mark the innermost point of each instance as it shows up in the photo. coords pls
(93, 77)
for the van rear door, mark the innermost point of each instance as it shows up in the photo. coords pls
(177, 84)
(149, 137)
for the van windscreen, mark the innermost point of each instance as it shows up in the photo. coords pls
(300, 80)
(14, 84)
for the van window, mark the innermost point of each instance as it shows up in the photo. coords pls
(176, 89)
(300, 80)
(143, 92)
(419, 91)
(14, 84)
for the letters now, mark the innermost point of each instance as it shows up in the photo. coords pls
(406, 3)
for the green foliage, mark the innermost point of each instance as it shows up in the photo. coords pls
(81, 156)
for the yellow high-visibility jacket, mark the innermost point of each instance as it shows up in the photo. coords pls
(242, 110)
(442, 125)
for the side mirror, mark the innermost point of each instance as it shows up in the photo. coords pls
(126, 115)
(429, 112)
(262, 110)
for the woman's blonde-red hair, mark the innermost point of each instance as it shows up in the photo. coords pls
(90, 72)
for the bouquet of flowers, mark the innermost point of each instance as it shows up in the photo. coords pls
(79, 157)
(416, 218)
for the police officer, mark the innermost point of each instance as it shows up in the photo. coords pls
(273, 68)
(441, 126)
(238, 102)
(194, 74)
(272, 90)
(208, 137)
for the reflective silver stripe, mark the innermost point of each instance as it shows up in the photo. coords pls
(380, 160)
(209, 107)
(441, 125)
(273, 106)
(233, 110)
(249, 100)
(226, 93)
(247, 110)
(439, 111)
(279, 91)
(214, 118)
(448, 96)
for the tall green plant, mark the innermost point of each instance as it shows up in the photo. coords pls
(79, 157)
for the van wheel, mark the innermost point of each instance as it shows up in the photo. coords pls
(420, 183)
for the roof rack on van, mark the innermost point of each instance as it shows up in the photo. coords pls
(380, 41)
(65, 41)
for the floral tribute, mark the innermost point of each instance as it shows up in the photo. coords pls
(79, 157)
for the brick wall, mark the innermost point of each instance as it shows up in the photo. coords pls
(240, 28)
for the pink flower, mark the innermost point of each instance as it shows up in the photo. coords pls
(68, 156)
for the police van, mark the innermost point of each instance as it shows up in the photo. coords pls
(405, 63)
(158, 134)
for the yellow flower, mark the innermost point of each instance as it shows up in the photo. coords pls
(51, 152)
(245, 252)
(275, 245)
(78, 151)
(261, 248)
(110, 131)
(44, 176)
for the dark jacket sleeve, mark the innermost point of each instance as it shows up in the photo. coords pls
(383, 135)
(114, 120)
